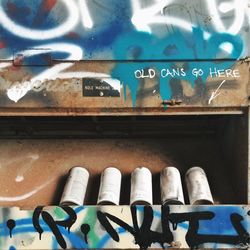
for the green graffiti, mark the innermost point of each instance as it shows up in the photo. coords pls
(90, 219)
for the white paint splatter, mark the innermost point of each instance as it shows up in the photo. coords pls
(114, 83)
(225, 7)
(143, 17)
(28, 165)
(86, 18)
(215, 93)
(5, 64)
(26, 195)
(18, 91)
(238, 5)
(34, 34)
(227, 47)
(19, 178)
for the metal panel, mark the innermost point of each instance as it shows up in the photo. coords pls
(220, 84)
(124, 227)
(182, 53)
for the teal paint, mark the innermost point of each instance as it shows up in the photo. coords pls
(193, 49)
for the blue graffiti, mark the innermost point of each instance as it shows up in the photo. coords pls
(213, 222)
(222, 218)
(113, 37)
(157, 214)
(76, 241)
(25, 225)
(39, 17)
(106, 238)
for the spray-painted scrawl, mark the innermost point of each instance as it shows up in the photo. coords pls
(156, 34)
(124, 227)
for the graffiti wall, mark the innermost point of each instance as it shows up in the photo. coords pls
(125, 227)
(115, 30)
(111, 55)
(160, 49)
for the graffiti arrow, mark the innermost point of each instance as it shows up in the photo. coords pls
(214, 93)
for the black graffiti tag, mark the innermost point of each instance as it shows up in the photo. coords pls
(11, 224)
(85, 228)
(144, 236)
(194, 239)
(53, 225)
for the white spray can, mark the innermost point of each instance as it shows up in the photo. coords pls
(141, 187)
(171, 186)
(198, 188)
(110, 187)
(75, 188)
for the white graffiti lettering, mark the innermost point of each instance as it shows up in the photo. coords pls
(239, 6)
(142, 18)
(28, 33)
(146, 15)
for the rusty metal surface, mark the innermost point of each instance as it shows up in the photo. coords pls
(138, 58)
(33, 171)
(158, 55)
(66, 95)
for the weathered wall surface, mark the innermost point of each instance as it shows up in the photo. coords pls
(114, 56)
(146, 51)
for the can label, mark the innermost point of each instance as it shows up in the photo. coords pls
(171, 186)
(198, 188)
(141, 186)
(75, 188)
(110, 186)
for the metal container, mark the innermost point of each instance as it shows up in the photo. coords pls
(141, 187)
(110, 187)
(198, 188)
(75, 188)
(171, 186)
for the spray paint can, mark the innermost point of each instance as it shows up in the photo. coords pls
(110, 187)
(75, 188)
(171, 186)
(141, 187)
(198, 188)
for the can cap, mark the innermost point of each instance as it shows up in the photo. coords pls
(196, 168)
